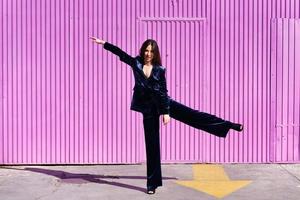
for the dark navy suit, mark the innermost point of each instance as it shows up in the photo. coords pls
(146, 91)
(150, 98)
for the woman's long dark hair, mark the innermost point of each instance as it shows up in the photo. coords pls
(156, 54)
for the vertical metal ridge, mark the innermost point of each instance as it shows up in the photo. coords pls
(2, 82)
(100, 84)
(296, 118)
(264, 95)
(120, 138)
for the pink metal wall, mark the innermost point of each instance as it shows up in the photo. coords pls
(285, 90)
(186, 40)
(66, 100)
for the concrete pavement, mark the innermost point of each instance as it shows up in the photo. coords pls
(180, 181)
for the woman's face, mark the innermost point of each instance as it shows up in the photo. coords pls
(148, 56)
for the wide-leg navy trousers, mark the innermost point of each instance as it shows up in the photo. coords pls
(200, 120)
(151, 131)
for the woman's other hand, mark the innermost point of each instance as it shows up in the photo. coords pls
(166, 119)
(97, 40)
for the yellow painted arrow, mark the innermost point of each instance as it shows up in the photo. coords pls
(213, 180)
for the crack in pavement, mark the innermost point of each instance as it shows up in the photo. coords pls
(56, 185)
(290, 173)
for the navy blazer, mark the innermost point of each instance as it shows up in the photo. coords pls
(147, 91)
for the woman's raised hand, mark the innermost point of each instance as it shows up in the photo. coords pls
(97, 40)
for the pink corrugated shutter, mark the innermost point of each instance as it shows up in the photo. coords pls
(65, 100)
(285, 90)
(184, 52)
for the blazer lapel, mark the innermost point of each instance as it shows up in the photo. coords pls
(155, 73)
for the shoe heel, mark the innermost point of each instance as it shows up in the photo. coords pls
(237, 127)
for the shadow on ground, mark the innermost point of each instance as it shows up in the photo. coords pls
(79, 178)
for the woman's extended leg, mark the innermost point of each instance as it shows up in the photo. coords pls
(201, 120)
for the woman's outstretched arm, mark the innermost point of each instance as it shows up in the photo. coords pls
(124, 57)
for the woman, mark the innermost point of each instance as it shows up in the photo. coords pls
(151, 99)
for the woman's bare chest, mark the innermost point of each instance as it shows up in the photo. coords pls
(147, 70)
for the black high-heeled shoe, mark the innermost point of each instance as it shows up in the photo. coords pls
(150, 190)
(237, 127)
